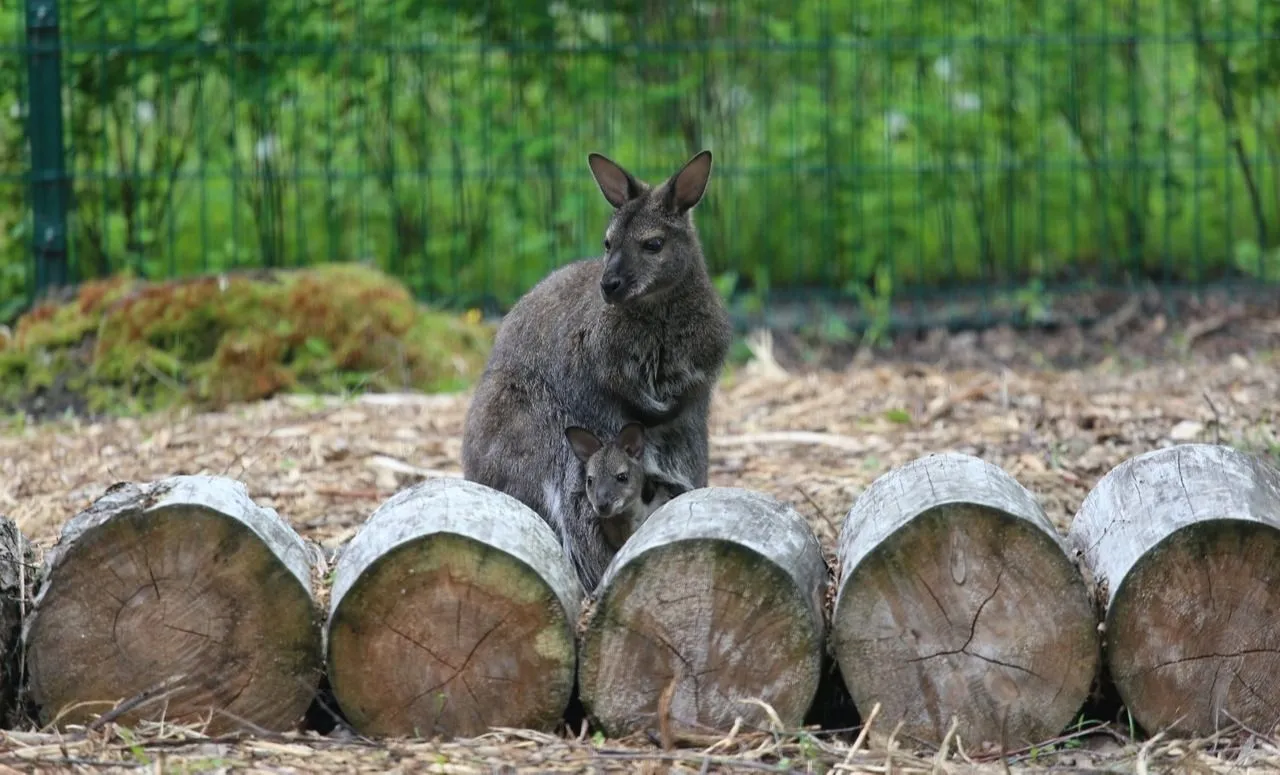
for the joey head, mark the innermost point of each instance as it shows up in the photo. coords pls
(614, 479)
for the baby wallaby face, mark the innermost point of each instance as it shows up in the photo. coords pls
(614, 471)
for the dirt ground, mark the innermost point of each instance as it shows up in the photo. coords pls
(814, 439)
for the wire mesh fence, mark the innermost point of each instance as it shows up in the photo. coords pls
(869, 150)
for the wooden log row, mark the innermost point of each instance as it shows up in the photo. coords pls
(454, 608)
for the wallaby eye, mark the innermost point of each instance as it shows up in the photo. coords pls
(652, 245)
(591, 480)
(622, 477)
(606, 243)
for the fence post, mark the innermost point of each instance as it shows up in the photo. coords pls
(48, 174)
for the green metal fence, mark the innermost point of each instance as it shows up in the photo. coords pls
(865, 150)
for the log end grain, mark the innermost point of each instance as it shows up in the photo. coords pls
(455, 613)
(968, 612)
(1184, 542)
(172, 609)
(1193, 631)
(715, 602)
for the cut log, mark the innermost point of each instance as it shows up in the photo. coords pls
(452, 611)
(180, 600)
(1184, 545)
(958, 599)
(717, 599)
(17, 575)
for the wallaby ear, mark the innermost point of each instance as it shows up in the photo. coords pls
(631, 439)
(617, 185)
(685, 188)
(583, 442)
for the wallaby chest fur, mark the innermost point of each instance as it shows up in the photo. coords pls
(639, 335)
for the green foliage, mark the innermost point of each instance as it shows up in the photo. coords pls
(942, 143)
(124, 343)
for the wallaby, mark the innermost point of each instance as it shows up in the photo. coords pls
(613, 473)
(638, 335)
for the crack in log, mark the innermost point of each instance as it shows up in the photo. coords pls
(688, 666)
(475, 711)
(1010, 665)
(184, 630)
(419, 644)
(674, 601)
(936, 601)
(1177, 460)
(1208, 582)
(234, 698)
(124, 584)
(1137, 486)
(146, 560)
(973, 628)
(457, 672)
(1197, 658)
(1254, 693)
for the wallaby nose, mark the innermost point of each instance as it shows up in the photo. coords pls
(609, 285)
(606, 509)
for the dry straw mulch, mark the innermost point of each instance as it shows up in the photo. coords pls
(814, 440)
(153, 747)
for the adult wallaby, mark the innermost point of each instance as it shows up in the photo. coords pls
(615, 484)
(638, 335)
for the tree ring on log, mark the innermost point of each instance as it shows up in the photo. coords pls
(453, 611)
(176, 599)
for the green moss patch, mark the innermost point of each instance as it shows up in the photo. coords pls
(125, 344)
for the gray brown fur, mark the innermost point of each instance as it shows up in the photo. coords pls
(635, 336)
(615, 483)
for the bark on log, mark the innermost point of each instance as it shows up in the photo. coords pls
(716, 599)
(1184, 545)
(179, 599)
(17, 576)
(452, 611)
(958, 599)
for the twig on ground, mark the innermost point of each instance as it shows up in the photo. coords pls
(847, 443)
(944, 405)
(1217, 418)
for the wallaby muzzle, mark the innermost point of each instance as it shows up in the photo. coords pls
(613, 283)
